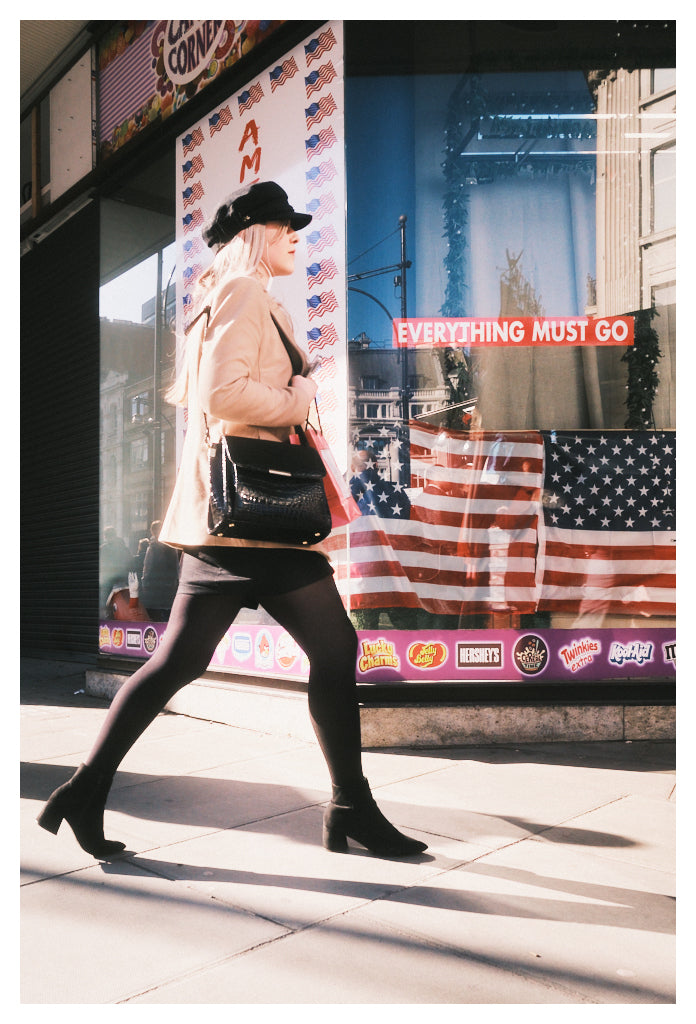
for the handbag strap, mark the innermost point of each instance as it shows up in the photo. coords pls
(294, 355)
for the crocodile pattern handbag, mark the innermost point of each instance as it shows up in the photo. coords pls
(267, 490)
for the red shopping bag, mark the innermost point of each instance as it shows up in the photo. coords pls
(342, 505)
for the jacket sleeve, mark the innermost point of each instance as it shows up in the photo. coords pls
(243, 378)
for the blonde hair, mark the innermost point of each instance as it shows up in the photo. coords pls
(238, 258)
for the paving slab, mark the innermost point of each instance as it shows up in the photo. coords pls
(601, 930)
(103, 934)
(352, 959)
(279, 870)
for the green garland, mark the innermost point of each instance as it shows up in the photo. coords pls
(642, 358)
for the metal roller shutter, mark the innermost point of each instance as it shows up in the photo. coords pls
(59, 534)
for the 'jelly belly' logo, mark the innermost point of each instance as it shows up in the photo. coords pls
(427, 655)
(579, 653)
(378, 654)
(530, 654)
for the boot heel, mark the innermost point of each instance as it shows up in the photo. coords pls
(334, 840)
(50, 819)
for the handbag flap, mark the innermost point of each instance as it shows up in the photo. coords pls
(261, 456)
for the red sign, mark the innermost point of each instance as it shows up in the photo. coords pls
(511, 332)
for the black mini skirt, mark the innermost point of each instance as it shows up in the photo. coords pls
(250, 573)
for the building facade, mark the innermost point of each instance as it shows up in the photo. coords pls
(489, 279)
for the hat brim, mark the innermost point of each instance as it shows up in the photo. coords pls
(300, 220)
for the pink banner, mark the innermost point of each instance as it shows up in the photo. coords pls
(461, 656)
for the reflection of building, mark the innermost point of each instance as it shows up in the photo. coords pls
(137, 451)
(636, 217)
(377, 381)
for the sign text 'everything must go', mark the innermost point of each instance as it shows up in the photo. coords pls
(512, 332)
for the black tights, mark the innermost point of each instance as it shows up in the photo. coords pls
(314, 617)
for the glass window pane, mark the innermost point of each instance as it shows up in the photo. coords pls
(513, 196)
(138, 426)
(664, 188)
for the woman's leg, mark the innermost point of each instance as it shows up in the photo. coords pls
(196, 626)
(315, 618)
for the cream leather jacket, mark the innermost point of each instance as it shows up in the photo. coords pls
(239, 376)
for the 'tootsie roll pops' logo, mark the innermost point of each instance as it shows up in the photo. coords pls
(530, 654)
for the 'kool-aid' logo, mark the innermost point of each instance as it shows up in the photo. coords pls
(637, 651)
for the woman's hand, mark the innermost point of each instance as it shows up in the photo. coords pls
(305, 385)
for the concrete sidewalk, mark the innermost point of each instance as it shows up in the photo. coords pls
(549, 878)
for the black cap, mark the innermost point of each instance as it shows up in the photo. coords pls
(263, 202)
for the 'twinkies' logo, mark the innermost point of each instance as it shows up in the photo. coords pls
(530, 654)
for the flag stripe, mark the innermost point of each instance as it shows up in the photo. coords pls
(519, 521)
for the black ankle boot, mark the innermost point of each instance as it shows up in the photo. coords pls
(354, 814)
(80, 801)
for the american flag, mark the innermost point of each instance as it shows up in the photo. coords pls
(193, 139)
(316, 112)
(318, 143)
(608, 542)
(192, 220)
(321, 207)
(322, 173)
(319, 305)
(317, 241)
(320, 337)
(192, 167)
(316, 48)
(317, 273)
(218, 120)
(192, 247)
(192, 194)
(249, 97)
(280, 74)
(459, 537)
(318, 79)
(189, 274)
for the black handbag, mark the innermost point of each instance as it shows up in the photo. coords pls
(267, 490)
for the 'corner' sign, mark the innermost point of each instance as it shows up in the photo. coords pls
(189, 47)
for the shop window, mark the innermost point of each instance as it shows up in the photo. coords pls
(138, 354)
(492, 179)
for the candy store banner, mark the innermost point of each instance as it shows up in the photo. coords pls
(286, 126)
(149, 69)
(578, 655)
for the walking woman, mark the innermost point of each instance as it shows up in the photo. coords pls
(241, 378)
